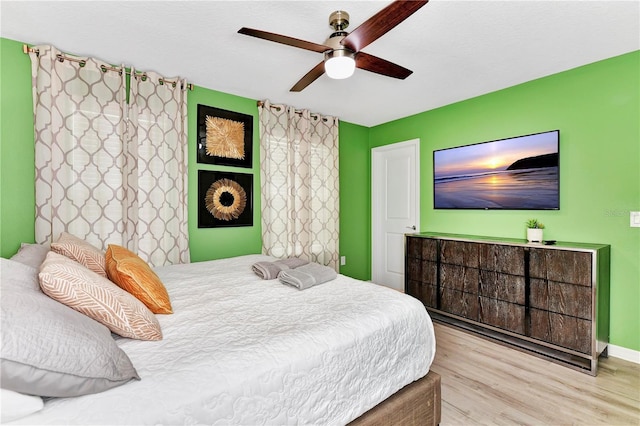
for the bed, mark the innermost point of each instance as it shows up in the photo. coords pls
(241, 350)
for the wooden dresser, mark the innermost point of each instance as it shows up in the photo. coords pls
(550, 300)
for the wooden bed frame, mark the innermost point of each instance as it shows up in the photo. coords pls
(417, 404)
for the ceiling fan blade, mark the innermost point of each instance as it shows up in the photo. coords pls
(309, 78)
(381, 66)
(290, 41)
(381, 23)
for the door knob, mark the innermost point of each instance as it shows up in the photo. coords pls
(412, 227)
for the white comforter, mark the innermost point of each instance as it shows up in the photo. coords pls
(240, 350)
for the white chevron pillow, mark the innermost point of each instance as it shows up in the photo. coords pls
(82, 252)
(72, 284)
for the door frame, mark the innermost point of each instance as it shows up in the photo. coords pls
(376, 199)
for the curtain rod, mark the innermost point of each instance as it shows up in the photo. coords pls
(297, 111)
(26, 49)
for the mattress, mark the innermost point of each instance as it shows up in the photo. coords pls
(241, 350)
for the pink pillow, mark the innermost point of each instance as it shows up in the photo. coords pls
(72, 284)
(82, 252)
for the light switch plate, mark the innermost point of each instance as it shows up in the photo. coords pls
(635, 220)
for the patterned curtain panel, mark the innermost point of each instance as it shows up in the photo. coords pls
(300, 192)
(79, 123)
(156, 223)
(107, 172)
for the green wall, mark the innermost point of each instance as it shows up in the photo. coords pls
(355, 204)
(216, 243)
(597, 109)
(17, 198)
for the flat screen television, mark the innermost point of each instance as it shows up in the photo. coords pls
(517, 173)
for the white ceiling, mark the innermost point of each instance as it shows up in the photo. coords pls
(456, 49)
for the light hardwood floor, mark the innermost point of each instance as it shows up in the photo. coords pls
(487, 383)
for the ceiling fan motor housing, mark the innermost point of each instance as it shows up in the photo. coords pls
(339, 20)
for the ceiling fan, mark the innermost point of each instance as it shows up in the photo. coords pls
(342, 50)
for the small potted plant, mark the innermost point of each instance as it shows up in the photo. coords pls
(534, 231)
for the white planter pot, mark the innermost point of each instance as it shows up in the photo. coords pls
(534, 235)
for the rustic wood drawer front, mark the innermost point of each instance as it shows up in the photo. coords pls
(561, 265)
(505, 315)
(563, 330)
(502, 301)
(502, 287)
(427, 294)
(459, 253)
(539, 298)
(459, 303)
(422, 270)
(414, 248)
(459, 290)
(499, 258)
(561, 298)
(458, 278)
(423, 281)
(508, 288)
(414, 269)
(430, 250)
(420, 248)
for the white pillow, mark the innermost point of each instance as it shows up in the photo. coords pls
(31, 254)
(34, 326)
(16, 405)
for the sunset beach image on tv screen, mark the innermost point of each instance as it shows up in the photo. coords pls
(516, 173)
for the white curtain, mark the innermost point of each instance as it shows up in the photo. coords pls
(88, 168)
(79, 112)
(299, 179)
(156, 225)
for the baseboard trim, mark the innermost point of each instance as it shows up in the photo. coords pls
(624, 353)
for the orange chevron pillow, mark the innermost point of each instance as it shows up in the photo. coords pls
(71, 284)
(130, 272)
(80, 251)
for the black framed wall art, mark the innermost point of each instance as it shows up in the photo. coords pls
(224, 199)
(224, 137)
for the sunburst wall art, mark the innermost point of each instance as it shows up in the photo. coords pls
(224, 199)
(224, 137)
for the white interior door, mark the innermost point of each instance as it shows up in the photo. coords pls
(395, 208)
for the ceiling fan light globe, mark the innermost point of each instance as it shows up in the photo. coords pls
(340, 67)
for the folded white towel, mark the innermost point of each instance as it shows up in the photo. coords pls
(270, 270)
(291, 262)
(307, 275)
